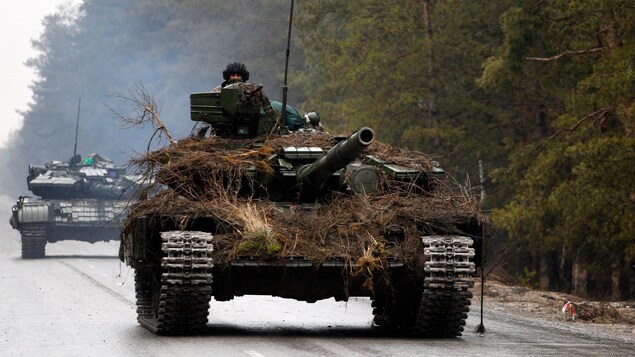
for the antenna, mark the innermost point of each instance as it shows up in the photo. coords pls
(286, 70)
(79, 105)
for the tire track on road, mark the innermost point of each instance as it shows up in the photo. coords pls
(98, 284)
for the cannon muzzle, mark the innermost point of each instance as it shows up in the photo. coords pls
(315, 174)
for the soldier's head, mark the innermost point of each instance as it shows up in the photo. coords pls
(236, 71)
(312, 118)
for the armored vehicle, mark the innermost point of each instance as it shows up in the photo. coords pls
(303, 215)
(79, 199)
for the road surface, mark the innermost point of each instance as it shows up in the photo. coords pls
(79, 301)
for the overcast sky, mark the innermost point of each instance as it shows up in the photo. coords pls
(21, 22)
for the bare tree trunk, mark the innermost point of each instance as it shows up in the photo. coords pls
(432, 112)
(580, 277)
(543, 275)
(481, 178)
(616, 294)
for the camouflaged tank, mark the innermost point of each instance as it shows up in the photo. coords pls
(303, 215)
(78, 199)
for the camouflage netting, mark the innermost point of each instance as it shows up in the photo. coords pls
(204, 177)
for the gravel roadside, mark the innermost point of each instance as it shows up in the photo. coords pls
(611, 319)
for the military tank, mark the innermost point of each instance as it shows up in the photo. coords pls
(298, 214)
(79, 199)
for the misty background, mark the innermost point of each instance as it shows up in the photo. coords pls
(104, 49)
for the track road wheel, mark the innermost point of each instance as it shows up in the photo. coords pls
(173, 295)
(33, 241)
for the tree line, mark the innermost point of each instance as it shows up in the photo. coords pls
(538, 94)
(529, 104)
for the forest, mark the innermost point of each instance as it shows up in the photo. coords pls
(529, 105)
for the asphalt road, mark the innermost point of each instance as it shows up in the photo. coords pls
(79, 301)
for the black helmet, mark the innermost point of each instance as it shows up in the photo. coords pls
(313, 118)
(236, 68)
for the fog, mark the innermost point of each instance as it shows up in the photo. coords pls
(104, 49)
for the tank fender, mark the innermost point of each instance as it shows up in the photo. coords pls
(29, 210)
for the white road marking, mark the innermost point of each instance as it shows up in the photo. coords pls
(253, 354)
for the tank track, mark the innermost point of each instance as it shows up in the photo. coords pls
(446, 296)
(396, 310)
(33, 241)
(173, 296)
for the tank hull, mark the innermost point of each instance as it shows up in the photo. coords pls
(42, 221)
(428, 299)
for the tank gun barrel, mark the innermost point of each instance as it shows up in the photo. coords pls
(108, 191)
(315, 174)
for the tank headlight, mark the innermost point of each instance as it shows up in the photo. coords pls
(364, 180)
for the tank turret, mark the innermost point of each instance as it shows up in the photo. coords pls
(93, 177)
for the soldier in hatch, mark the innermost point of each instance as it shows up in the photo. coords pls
(236, 76)
(235, 72)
